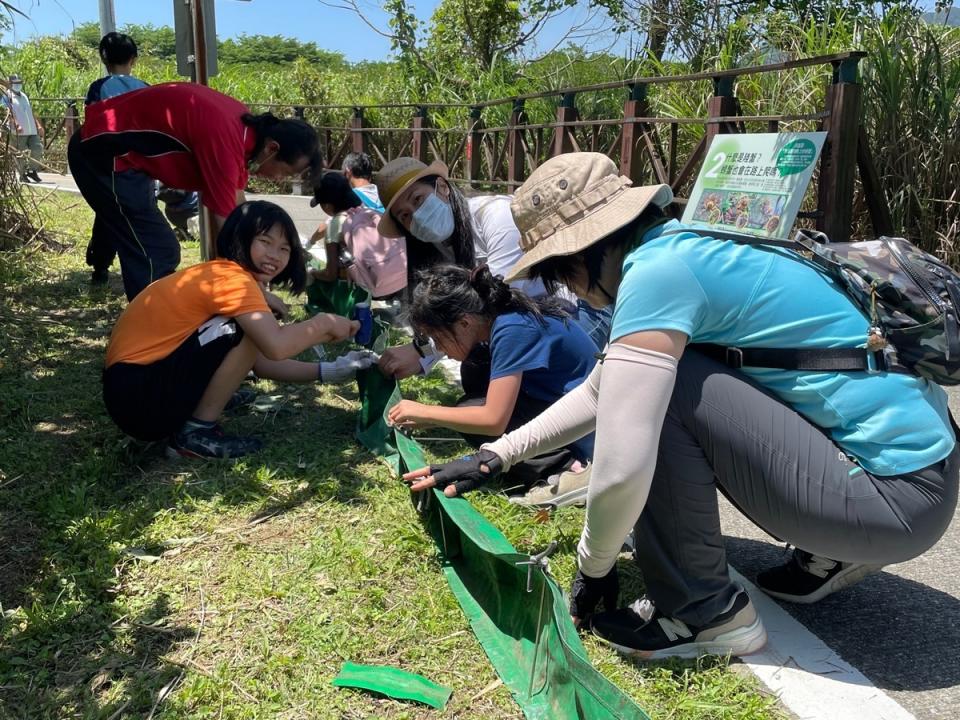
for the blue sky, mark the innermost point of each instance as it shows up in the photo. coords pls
(308, 20)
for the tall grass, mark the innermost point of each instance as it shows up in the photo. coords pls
(911, 98)
(912, 114)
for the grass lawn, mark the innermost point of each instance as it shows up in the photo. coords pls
(133, 586)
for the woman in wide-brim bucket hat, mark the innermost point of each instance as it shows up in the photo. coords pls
(442, 225)
(817, 459)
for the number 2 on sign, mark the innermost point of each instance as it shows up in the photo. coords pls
(718, 160)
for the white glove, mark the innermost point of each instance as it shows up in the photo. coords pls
(345, 367)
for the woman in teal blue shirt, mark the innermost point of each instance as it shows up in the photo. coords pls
(854, 469)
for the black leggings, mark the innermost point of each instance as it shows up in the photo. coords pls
(475, 377)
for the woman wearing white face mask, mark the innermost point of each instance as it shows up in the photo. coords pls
(441, 225)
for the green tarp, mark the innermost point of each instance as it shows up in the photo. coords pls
(518, 613)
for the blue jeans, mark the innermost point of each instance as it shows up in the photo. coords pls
(595, 323)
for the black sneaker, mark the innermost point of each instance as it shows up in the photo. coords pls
(807, 578)
(35, 176)
(643, 631)
(100, 276)
(241, 398)
(211, 443)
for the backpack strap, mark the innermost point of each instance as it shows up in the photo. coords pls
(803, 359)
(805, 244)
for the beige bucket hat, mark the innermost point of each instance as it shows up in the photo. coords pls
(571, 202)
(395, 177)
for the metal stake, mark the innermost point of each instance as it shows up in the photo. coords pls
(540, 561)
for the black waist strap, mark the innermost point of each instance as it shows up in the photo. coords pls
(809, 359)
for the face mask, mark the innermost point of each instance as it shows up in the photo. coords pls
(17, 87)
(433, 221)
(253, 166)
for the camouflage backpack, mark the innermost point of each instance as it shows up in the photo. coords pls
(911, 299)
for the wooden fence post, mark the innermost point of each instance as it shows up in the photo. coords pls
(631, 160)
(566, 112)
(357, 135)
(298, 180)
(71, 119)
(722, 104)
(71, 123)
(515, 159)
(418, 143)
(838, 160)
(474, 146)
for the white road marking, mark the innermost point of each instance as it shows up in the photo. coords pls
(809, 678)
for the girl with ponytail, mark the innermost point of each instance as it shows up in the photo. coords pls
(536, 354)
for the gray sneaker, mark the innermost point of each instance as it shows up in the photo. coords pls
(567, 488)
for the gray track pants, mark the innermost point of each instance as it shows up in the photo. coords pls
(783, 473)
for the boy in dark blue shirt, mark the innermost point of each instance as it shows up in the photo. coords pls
(119, 54)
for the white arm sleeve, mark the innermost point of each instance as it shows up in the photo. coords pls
(568, 419)
(635, 390)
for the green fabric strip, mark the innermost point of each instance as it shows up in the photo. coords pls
(550, 679)
(337, 297)
(393, 682)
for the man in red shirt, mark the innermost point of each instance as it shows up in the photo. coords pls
(187, 136)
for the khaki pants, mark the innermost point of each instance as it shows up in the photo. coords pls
(29, 150)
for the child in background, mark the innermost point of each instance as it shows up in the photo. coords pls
(335, 197)
(118, 52)
(182, 347)
(537, 355)
(353, 245)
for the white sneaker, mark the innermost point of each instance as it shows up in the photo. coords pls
(567, 488)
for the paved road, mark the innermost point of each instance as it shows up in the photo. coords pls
(304, 217)
(901, 627)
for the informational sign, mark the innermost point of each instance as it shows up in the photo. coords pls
(754, 183)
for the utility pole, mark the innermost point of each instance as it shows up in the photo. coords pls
(195, 28)
(208, 236)
(108, 18)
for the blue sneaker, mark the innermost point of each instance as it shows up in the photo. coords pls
(210, 443)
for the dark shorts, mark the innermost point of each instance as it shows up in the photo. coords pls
(151, 402)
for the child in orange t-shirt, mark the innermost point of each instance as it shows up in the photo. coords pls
(180, 350)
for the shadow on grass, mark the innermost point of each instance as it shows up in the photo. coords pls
(76, 496)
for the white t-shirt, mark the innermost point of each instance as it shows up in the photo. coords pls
(19, 105)
(498, 242)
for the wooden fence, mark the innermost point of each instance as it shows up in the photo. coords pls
(646, 145)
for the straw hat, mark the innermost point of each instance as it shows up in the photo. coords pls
(395, 177)
(572, 201)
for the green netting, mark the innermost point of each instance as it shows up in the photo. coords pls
(519, 617)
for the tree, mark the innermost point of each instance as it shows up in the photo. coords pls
(464, 38)
(699, 30)
(277, 50)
